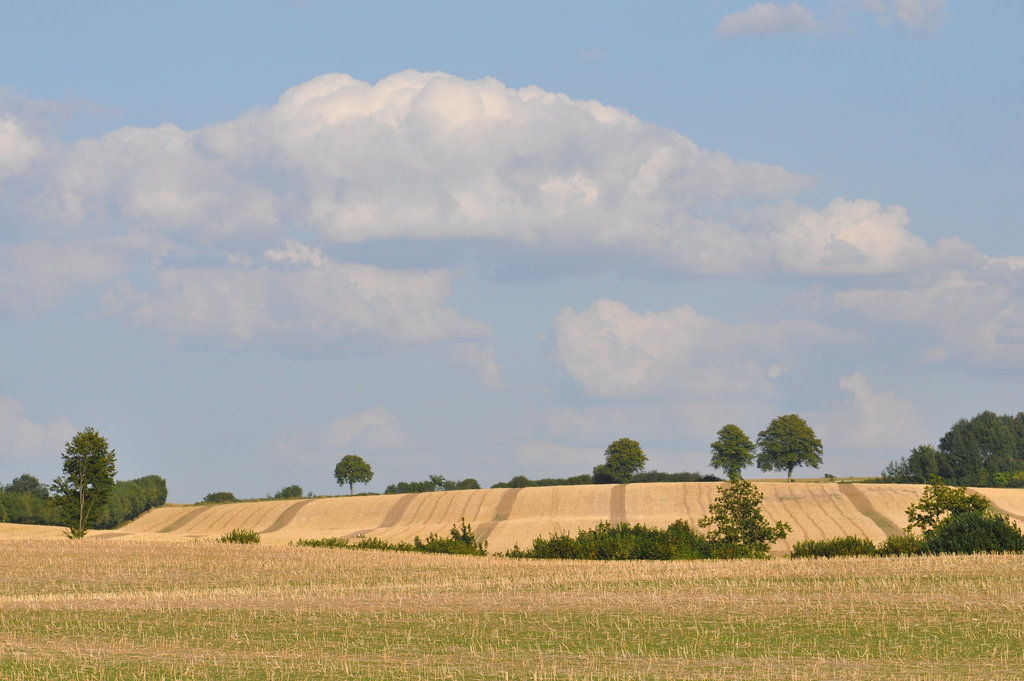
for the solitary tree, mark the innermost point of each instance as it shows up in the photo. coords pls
(622, 459)
(352, 469)
(86, 483)
(732, 451)
(786, 443)
(738, 528)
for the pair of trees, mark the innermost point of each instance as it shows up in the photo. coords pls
(786, 443)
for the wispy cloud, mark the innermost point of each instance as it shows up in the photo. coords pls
(767, 18)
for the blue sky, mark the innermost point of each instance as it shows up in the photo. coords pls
(245, 239)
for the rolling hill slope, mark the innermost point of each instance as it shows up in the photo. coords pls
(505, 517)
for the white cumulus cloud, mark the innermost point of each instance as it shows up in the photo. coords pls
(977, 315)
(19, 148)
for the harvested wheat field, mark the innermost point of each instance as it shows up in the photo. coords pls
(121, 609)
(505, 517)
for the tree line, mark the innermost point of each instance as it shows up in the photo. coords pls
(85, 494)
(984, 451)
(26, 500)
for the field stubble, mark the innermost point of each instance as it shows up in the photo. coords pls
(109, 609)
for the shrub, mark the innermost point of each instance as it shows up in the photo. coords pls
(974, 532)
(219, 498)
(377, 544)
(240, 536)
(325, 543)
(620, 542)
(831, 548)
(905, 544)
(940, 501)
(461, 541)
(739, 529)
(289, 492)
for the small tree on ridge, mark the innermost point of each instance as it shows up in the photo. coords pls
(352, 469)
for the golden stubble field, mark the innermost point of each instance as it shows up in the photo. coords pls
(117, 609)
(504, 517)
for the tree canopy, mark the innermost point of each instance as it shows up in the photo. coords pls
(786, 443)
(352, 469)
(732, 451)
(738, 528)
(986, 450)
(622, 459)
(86, 482)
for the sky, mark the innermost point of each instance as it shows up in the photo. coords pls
(245, 239)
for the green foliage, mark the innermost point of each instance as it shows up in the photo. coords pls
(984, 450)
(984, 445)
(732, 451)
(241, 536)
(86, 482)
(622, 459)
(974, 531)
(659, 476)
(289, 492)
(28, 484)
(919, 467)
(131, 498)
(786, 443)
(436, 483)
(739, 529)
(1008, 479)
(905, 544)
(352, 469)
(620, 542)
(219, 498)
(939, 501)
(29, 509)
(461, 541)
(521, 481)
(128, 500)
(324, 543)
(832, 548)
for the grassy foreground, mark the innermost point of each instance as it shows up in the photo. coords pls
(106, 609)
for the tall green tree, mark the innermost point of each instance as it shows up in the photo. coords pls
(622, 459)
(786, 443)
(86, 482)
(732, 451)
(352, 469)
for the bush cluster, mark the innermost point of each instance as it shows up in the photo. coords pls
(461, 541)
(520, 481)
(436, 483)
(621, 542)
(949, 520)
(241, 536)
(832, 548)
